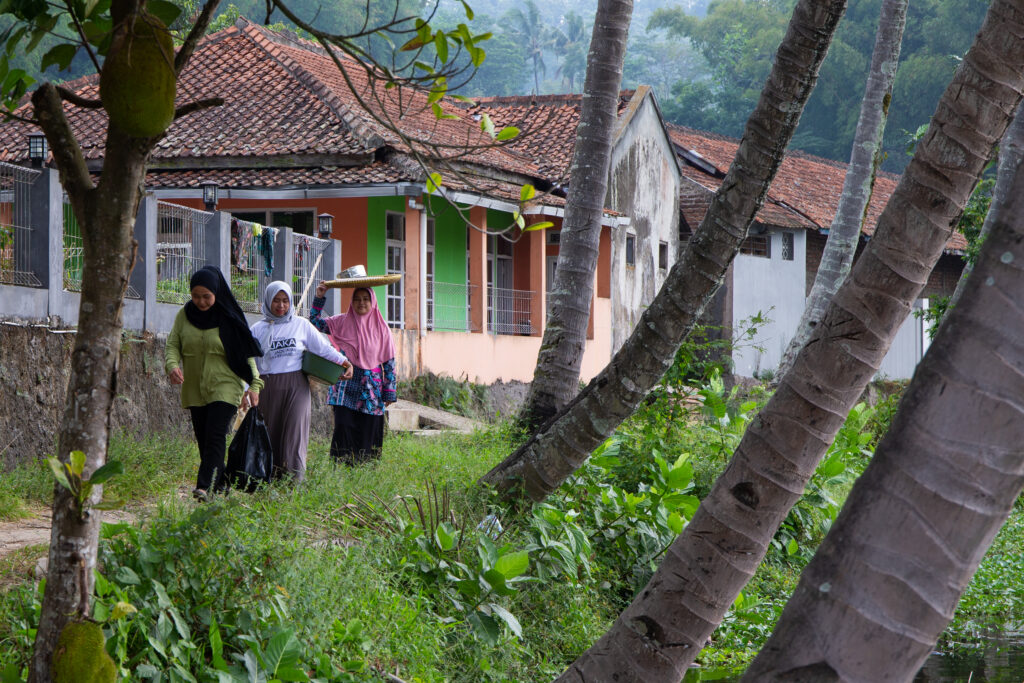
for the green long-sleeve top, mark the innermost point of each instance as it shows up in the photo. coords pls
(200, 354)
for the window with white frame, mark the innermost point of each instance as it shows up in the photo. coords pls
(431, 294)
(395, 246)
(757, 245)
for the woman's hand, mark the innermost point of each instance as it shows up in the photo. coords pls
(348, 370)
(176, 376)
(321, 290)
(250, 399)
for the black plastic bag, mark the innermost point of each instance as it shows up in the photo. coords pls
(250, 457)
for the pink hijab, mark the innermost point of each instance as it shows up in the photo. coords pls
(365, 339)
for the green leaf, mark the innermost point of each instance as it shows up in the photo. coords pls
(434, 182)
(58, 472)
(538, 226)
(469, 10)
(675, 523)
(513, 564)
(444, 536)
(486, 125)
(216, 647)
(61, 55)
(507, 133)
(414, 44)
(485, 627)
(832, 467)
(527, 192)
(441, 45)
(680, 477)
(520, 221)
(792, 547)
(509, 620)
(166, 12)
(476, 55)
(109, 504)
(107, 471)
(276, 649)
(496, 580)
(121, 610)
(77, 462)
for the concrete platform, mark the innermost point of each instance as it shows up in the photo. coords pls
(406, 416)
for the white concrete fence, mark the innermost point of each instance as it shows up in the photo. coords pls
(41, 255)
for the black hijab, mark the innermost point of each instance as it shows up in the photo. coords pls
(226, 314)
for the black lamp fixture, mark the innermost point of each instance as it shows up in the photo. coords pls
(37, 149)
(209, 194)
(324, 224)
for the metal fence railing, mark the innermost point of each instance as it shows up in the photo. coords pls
(180, 250)
(448, 306)
(16, 226)
(73, 252)
(307, 268)
(508, 311)
(252, 262)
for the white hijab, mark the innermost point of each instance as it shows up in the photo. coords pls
(272, 290)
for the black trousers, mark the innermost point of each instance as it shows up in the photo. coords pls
(358, 437)
(211, 423)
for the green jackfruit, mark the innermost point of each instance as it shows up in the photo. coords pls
(137, 81)
(80, 656)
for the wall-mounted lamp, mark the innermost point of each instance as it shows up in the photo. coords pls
(415, 205)
(37, 149)
(324, 225)
(209, 195)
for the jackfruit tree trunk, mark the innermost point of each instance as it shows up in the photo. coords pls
(886, 580)
(552, 454)
(106, 215)
(844, 233)
(663, 630)
(557, 375)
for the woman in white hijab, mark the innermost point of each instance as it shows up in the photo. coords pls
(285, 399)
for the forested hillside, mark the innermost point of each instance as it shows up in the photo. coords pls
(706, 61)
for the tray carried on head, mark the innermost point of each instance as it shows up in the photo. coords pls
(366, 281)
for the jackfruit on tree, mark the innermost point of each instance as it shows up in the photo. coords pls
(137, 81)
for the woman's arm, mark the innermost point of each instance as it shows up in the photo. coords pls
(319, 345)
(316, 309)
(172, 353)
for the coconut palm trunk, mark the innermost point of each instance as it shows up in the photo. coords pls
(557, 375)
(553, 453)
(106, 214)
(661, 632)
(886, 580)
(844, 233)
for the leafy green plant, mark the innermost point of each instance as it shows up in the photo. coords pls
(69, 475)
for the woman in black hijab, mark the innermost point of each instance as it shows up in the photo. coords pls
(212, 355)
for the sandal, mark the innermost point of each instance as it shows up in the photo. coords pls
(200, 495)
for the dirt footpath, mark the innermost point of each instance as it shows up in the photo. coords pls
(35, 530)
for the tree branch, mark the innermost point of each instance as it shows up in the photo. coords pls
(81, 34)
(64, 145)
(76, 99)
(198, 29)
(197, 105)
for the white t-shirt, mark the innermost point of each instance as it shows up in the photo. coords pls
(283, 347)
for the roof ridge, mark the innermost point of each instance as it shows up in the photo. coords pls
(264, 38)
(556, 98)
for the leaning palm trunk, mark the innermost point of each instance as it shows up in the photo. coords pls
(1010, 151)
(551, 455)
(859, 182)
(886, 580)
(665, 627)
(557, 375)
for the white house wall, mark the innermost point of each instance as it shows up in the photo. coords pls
(774, 288)
(644, 185)
(907, 348)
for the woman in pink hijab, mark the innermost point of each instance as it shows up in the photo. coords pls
(359, 403)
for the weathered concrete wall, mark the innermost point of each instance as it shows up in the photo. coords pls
(34, 370)
(644, 186)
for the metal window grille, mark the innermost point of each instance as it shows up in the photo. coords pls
(448, 307)
(757, 245)
(508, 311)
(180, 250)
(395, 255)
(787, 246)
(16, 225)
(630, 250)
(250, 262)
(305, 254)
(73, 252)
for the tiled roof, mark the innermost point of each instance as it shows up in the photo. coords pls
(547, 125)
(806, 189)
(283, 96)
(243, 178)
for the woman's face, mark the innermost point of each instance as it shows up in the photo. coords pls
(361, 301)
(202, 298)
(280, 304)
